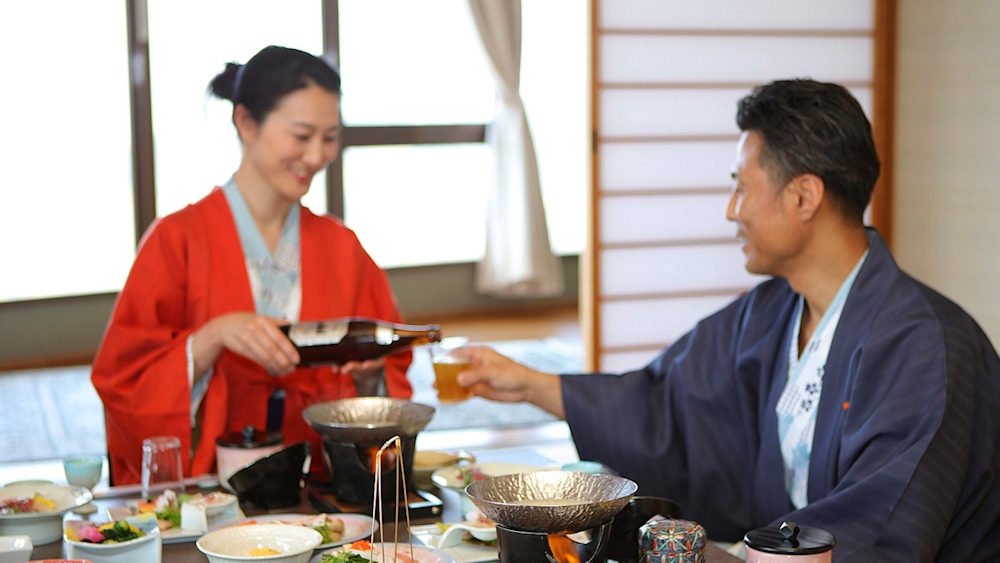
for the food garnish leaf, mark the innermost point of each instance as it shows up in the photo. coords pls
(343, 557)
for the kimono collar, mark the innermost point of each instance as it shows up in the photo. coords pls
(877, 277)
(278, 274)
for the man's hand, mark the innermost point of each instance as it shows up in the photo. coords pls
(498, 378)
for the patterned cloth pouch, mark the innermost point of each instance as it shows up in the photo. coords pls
(672, 541)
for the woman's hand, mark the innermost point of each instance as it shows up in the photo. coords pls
(252, 336)
(366, 375)
(499, 378)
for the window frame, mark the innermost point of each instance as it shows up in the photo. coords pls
(67, 329)
(143, 162)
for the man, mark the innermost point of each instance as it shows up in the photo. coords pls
(841, 393)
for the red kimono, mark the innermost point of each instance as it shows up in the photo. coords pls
(189, 269)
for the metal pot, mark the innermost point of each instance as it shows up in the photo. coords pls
(354, 429)
(551, 502)
(367, 419)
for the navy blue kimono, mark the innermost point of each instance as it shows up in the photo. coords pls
(905, 457)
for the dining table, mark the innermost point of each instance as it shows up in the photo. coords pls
(550, 442)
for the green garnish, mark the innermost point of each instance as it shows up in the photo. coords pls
(466, 476)
(120, 532)
(327, 533)
(343, 557)
(172, 513)
(471, 474)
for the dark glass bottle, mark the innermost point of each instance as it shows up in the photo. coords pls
(338, 341)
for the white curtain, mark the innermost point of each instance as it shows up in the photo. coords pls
(519, 261)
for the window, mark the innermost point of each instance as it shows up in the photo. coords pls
(555, 87)
(196, 146)
(66, 214)
(418, 94)
(411, 63)
(428, 207)
(405, 64)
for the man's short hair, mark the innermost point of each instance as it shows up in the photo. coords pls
(817, 128)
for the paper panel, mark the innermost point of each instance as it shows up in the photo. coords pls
(664, 218)
(621, 362)
(738, 14)
(655, 322)
(636, 166)
(669, 269)
(639, 112)
(698, 59)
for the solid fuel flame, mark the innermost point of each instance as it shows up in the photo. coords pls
(371, 455)
(563, 549)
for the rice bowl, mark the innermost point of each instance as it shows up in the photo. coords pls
(292, 544)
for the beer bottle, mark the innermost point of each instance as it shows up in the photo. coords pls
(338, 341)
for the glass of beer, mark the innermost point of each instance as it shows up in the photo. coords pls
(447, 366)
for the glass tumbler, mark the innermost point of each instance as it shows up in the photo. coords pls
(161, 465)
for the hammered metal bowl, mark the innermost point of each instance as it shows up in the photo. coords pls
(367, 419)
(526, 501)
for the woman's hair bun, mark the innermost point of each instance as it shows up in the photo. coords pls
(270, 75)
(224, 84)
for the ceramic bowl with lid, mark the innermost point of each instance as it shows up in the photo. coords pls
(237, 450)
(789, 542)
(275, 480)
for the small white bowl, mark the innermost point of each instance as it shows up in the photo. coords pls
(426, 462)
(453, 479)
(147, 549)
(43, 527)
(27, 482)
(15, 549)
(216, 503)
(295, 544)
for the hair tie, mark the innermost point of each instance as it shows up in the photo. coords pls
(236, 82)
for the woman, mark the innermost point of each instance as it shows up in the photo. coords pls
(193, 347)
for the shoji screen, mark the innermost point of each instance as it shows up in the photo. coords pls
(667, 76)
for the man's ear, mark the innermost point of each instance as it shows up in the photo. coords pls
(809, 191)
(246, 125)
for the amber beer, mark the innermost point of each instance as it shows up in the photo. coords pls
(446, 370)
(338, 341)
